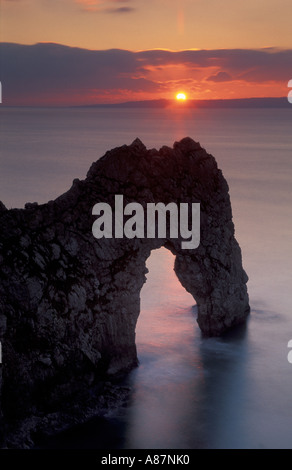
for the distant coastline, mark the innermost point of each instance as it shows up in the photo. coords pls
(216, 103)
(248, 103)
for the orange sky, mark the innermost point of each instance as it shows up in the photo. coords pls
(137, 26)
(140, 24)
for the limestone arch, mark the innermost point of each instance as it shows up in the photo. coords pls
(69, 303)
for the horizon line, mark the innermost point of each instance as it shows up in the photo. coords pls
(251, 101)
(195, 49)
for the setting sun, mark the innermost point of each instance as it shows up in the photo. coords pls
(181, 96)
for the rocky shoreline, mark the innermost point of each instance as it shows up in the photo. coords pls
(103, 401)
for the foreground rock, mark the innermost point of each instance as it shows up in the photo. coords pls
(69, 302)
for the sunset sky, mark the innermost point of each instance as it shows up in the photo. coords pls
(104, 51)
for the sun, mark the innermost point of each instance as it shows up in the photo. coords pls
(181, 96)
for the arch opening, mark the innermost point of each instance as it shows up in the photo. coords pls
(168, 354)
(165, 303)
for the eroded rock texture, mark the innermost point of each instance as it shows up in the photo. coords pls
(69, 303)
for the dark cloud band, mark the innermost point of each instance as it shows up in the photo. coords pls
(45, 68)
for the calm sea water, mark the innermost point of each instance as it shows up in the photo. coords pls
(188, 392)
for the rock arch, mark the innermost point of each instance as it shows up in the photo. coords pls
(69, 303)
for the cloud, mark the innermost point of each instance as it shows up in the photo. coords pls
(120, 10)
(105, 6)
(242, 64)
(52, 73)
(99, 2)
(219, 77)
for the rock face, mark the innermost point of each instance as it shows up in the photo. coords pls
(69, 302)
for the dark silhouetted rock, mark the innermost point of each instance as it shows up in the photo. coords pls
(69, 302)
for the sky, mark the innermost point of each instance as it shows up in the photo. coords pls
(63, 52)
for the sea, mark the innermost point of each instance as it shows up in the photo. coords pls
(188, 392)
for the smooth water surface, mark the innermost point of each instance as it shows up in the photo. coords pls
(189, 391)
